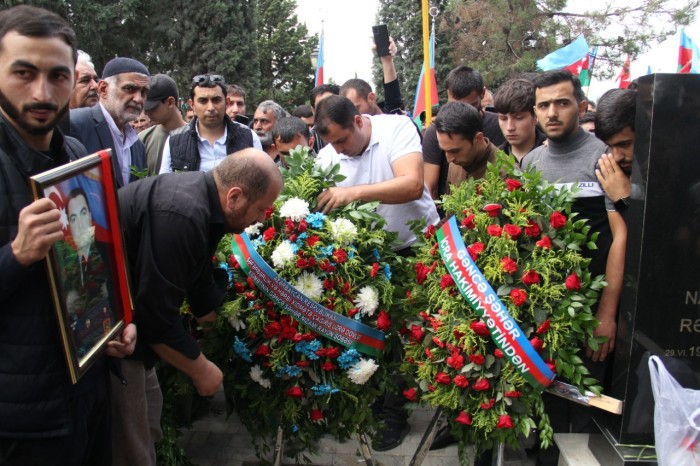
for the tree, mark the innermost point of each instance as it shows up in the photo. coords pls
(284, 51)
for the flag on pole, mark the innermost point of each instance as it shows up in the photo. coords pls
(624, 76)
(419, 104)
(685, 53)
(574, 57)
(319, 63)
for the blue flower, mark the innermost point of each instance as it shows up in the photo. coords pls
(323, 389)
(348, 358)
(376, 253)
(242, 350)
(316, 220)
(351, 252)
(257, 242)
(224, 266)
(308, 348)
(326, 251)
(387, 271)
(292, 371)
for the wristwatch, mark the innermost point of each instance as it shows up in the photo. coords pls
(622, 204)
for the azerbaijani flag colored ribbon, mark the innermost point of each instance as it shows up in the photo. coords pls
(343, 330)
(420, 105)
(573, 57)
(504, 330)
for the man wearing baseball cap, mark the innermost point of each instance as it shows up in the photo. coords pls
(162, 108)
(122, 92)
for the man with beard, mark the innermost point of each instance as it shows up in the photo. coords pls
(122, 91)
(205, 141)
(172, 224)
(569, 159)
(85, 91)
(44, 418)
(266, 116)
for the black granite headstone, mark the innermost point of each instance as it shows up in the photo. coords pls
(660, 303)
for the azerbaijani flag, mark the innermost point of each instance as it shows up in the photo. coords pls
(419, 104)
(685, 53)
(319, 63)
(624, 76)
(574, 57)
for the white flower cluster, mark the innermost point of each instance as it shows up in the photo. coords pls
(367, 300)
(362, 370)
(253, 230)
(236, 323)
(295, 209)
(256, 375)
(283, 254)
(310, 285)
(343, 231)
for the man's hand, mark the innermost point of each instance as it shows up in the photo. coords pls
(39, 227)
(606, 328)
(208, 381)
(333, 198)
(207, 321)
(124, 345)
(613, 180)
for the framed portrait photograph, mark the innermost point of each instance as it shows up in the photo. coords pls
(87, 270)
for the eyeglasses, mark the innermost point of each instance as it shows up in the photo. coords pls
(203, 78)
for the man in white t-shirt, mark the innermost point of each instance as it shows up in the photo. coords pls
(381, 158)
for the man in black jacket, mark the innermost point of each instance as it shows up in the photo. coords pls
(44, 420)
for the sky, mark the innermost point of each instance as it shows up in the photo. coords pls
(348, 40)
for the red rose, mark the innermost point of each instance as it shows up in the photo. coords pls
(477, 359)
(481, 385)
(498, 354)
(293, 238)
(263, 350)
(375, 270)
(504, 422)
(316, 415)
(430, 232)
(269, 234)
(489, 404)
(572, 282)
(557, 220)
(326, 266)
(464, 418)
(512, 230)
(508, 265)
(417, 332)
(446, 281)
(410, 394)
(518, 296)
(493, 209)
(532, 229)
(302, 227)
(383, 321)
(512, 185)
(340, 256)
(461, 381)
(468, 222)
(544, 243)
(494, 230)
(311, 261)
(352, 312)
(295, 392)
(513, 394)
(312, 240)
(328, 284)
(302, 264)
(480, 328)
(536, 343)
(442, 378)
(456, 361)
(531, 277)
(289, 226)
(328, 366)
(543, 327)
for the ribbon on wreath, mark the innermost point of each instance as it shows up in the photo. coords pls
(343, 330)
(505, 332)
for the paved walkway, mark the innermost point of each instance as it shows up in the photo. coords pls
(216, 441)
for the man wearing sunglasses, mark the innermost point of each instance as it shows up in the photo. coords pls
(205, 141)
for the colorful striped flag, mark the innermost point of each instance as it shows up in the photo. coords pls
(420, 104)
(685, 53)
(319, 63)
(574, 57)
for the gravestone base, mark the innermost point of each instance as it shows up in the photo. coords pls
(608, 451)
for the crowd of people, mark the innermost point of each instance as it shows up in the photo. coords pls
(56, 108)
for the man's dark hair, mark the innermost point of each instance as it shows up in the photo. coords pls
(235, 89)
(303, 111)
(616, 111)
(209, 84)
(362, 87)
(550, 78)
(462, 81)
(588, 117)
(516, 95)
(288, 127)
(459, 118)
(322, 89)
(75, 192)
(334, 109)
(30, 21)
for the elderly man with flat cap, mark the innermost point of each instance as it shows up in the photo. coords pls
(122, 92)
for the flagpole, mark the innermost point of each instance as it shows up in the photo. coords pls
(426, 64)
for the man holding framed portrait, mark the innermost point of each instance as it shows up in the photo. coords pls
(43, 416)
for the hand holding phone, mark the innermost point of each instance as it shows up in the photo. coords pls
(381, 39)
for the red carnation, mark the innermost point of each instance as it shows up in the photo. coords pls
(375, 270)
(489, 404)
(233, 262)
(410, 394)
(456, 361)
(477, 359)
(340, 256)
(464, 418)
(316, 415)
(302, 227)
(269, 234)
(512, 185)
(498, 354)
(272, 329)
(532, 229)
(328, 366)
(263, 350)
(544, 243)
(352, 312)
(332, 352)
(428, 353)
(302, 264)
(468, 222)
(461, 381)
(442, 378)
(518, 296)
(508, 265)
(475, 249)
(543, 327)
(430, 232)
(312, 240)
(557, 220)
(512, 230)
(513, 394)
(572, 282)
(504, 422)
(480, 328)
(446, 281)
(438, 342)
(417, 332)
(295, 392)
(531, 277)
(481, 385)
(268, 212)
(328, 284)
(303, 363)
(551, 364)
(422, 272)
(536, 343)
(493, 209)
(239, 287)
(494, 230)
(383, 321)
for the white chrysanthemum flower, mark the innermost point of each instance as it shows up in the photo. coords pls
(310, 285)
(295, 209)
(253, 230)
(256, 375)
(367, 300)
(283, 254)
(362, 370)
(343, 231)
(236, 323)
